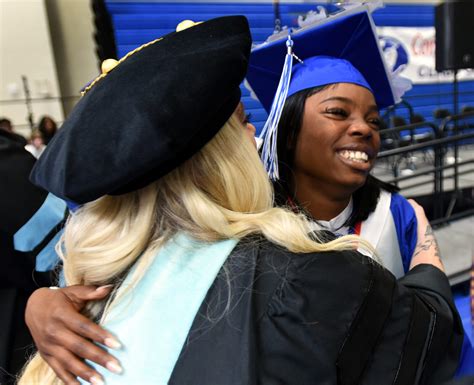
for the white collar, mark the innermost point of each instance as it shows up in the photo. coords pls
(336, 224)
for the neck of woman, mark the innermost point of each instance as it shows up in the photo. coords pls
(324, 202)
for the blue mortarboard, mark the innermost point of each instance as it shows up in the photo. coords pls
(342, 48)
(321, 70)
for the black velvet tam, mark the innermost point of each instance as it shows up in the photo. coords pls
(150, 113)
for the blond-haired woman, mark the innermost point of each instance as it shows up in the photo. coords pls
(211, 283)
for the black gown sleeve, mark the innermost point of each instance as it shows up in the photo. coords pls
(432, 287)
(341, 319)
(309, 334)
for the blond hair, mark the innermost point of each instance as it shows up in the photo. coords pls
(222, 192)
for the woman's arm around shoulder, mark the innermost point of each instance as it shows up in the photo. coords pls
(64, 337)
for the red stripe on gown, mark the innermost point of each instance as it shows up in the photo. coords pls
(357, 228)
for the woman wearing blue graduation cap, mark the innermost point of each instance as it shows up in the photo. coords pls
(322, 149)
(211, 283)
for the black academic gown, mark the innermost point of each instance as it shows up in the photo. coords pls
(19, 200)
(323, 318)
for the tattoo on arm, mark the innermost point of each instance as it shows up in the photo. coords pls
(428, 244)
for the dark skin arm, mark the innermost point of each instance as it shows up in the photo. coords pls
(426, 250)
(64, 337)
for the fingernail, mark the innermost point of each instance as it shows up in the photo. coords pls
(94, 380)
(104, 287)
(112, 343)
(114, 367)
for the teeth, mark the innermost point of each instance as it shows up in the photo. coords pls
(356, 156)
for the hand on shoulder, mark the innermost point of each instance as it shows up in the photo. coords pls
(64, 337)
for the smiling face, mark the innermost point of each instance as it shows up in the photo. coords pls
(339, 139)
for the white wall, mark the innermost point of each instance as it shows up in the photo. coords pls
(71, 24)
(26, 49)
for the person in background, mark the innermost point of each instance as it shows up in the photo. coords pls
(210, 282)
(36, 145)
(29, 219)
(47, 127)
(7, 126)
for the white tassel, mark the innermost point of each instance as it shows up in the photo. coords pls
(269, 132)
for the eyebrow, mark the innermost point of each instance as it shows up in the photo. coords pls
(339, 98)
(371, 108)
